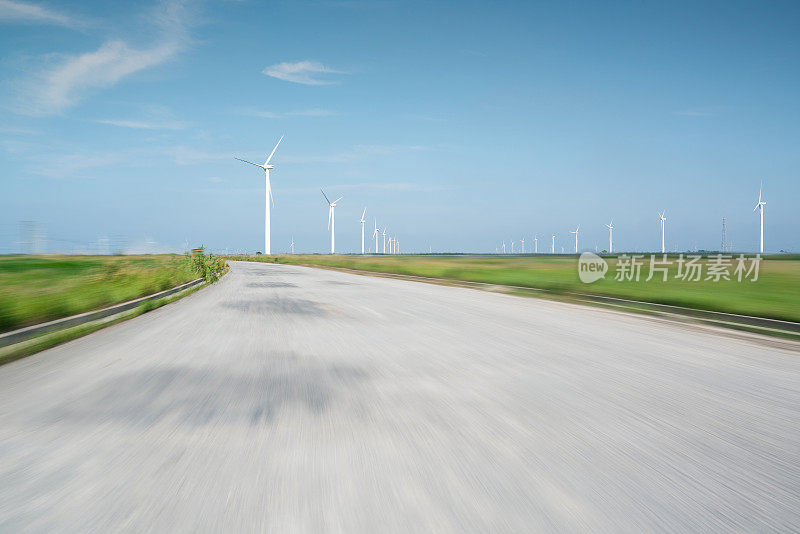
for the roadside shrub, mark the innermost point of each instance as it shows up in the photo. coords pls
(207, 266)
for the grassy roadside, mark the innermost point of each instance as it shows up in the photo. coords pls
(775, 295)
(37, 289)
(46, 341)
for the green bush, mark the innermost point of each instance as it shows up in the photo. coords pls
(207, 266)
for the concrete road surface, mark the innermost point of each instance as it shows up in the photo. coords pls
(289, 399)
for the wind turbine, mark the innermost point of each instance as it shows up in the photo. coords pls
(610, 237)
(523, 245)
(535, 244)
(266, 166)
(292, 244)
(661, 216)
(384, 240)
(331, 220)
(576, 237)
(375, 236)
(363, 220)
(512, 246)
(553, 249)
(504, 246)
(761, 205)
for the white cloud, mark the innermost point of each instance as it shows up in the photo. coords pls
(285, 114)
(690, 113)
(149, 117)
(71, 164)
(59, 86)
(304, 72)
(183, 155)
(65, 84)
(11, 11)
(358, 152)
(701, 112)
(144, 125)
(367, 186)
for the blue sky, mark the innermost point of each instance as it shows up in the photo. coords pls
(457, 124)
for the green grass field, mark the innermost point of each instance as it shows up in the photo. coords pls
(35, 289)
(776, 293)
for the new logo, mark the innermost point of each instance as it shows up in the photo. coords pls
(591, 267)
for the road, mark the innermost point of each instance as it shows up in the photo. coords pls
(290, 399)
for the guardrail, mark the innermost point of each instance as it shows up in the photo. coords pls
(15, 336)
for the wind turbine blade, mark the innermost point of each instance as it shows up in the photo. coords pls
(365, 212)
(273, 151)
(337, 200)
(326, 197)
(270, 195)
(330, 213)
(250, 162)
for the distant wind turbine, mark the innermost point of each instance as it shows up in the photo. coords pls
(375, 236)
(761, 204)
(331, 220)
(535, 244)
(266, 166)
(662, 218)
(363, 221)
(504, 246)
(610, 237)
(384, 240)
(292, 245)
(576, 237)
(553, 249)
(523, 245)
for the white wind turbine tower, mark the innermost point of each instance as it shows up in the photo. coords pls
(761, 205)
(384, 240)
(523, 245)
(576, 237)
(292, 245)
(512, 246)
(375, 236)
(553, 249)
(266, 166)
(661, 216)
(331, 220)
(535, 244)
(610, 237)
(363, 221)
(504, 246)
